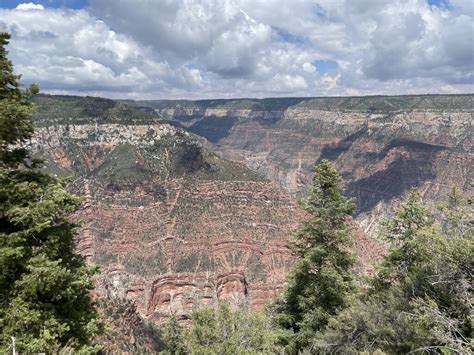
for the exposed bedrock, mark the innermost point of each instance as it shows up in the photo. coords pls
(172, 225)
(175, 226)
(383, 146)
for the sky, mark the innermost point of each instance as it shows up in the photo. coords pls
(168, 49)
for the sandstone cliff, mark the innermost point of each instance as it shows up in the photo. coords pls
(174, 226)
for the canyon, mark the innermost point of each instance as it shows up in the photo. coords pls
(191, 203)
(382, 145)
(172, 225)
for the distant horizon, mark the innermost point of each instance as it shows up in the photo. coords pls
(257, 98)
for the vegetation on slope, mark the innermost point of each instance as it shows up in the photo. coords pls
(421, 299)
(222, 331)
(175, 154)
(62, 109)
(376, 104)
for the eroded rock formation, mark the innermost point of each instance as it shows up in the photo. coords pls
(383, 146)
(172, 225)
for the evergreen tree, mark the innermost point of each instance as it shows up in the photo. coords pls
(224, 331)
(44, 285)
(421, 299)
(173, 335)
(221, 331)
(321, 282)
(403, 231)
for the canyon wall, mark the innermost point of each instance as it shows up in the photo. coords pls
(172, 225)
(383, 146)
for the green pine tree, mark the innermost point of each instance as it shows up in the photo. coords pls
(421, 299)
(226, 331)
(321, 282)
(44, 285)
(173, 335)
(403, 232)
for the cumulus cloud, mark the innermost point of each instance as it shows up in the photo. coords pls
(387, 41)
(72, 50)
(29, 6)
(216, 35)
(308, 67)
(423, 42)
(225, 48)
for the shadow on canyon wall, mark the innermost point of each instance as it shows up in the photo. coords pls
(213, 128)
(412, 167)
(334, 151)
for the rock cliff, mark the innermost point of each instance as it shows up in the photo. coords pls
(172, 225)
(175, 226)
(383, 146)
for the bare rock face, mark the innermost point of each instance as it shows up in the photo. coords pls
(199, 243)
(172, 225)
(383, 146)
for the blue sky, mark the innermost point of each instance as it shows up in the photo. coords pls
(244, 48)
(439, 3)
(324, 66)
(288, 37)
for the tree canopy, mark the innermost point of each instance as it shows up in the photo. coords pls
(221, 331)
(420, 301)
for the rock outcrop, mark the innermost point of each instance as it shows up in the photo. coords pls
(175, 226)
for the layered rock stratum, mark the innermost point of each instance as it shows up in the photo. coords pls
(172, 225)
(382, 145)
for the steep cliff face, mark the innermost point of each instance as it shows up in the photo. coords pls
(172, 225)
(383, 146)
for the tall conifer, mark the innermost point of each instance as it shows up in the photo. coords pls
(321, 281)
(44, 285)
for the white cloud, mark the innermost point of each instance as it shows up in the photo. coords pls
(73, 50)
(308, 67)
(29, 6)
(288, 83)
(211, 48)
(216, 35)
(328, 82)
